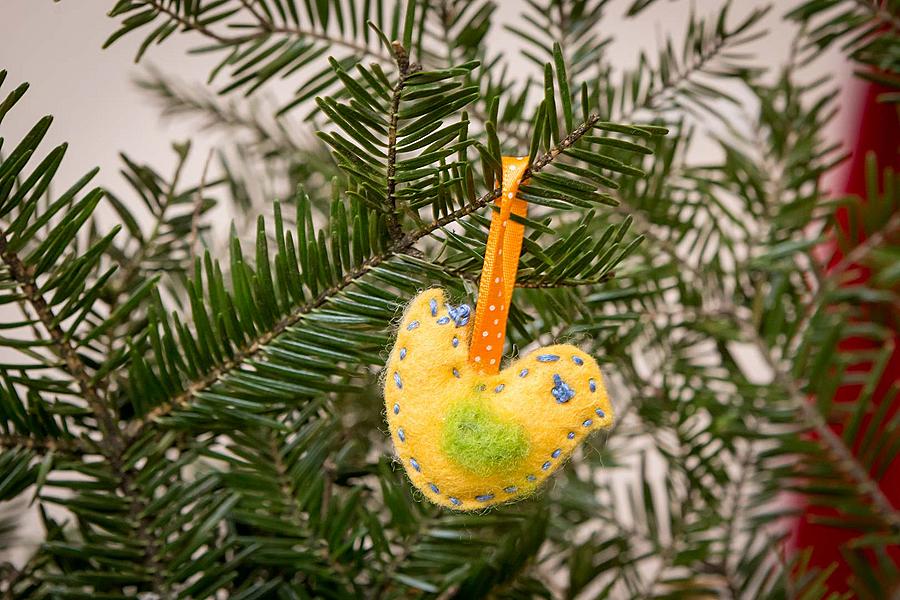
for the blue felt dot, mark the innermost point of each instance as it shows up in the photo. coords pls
(561, 390)
(499, 388)
(548, 358)
(455, 342)
(531, 478)
(511, 489)
(434, 488)
(396, 409)
(412, 325)
(577, 360)
(443, 320)
(484, 497)
(402, 353)
(415, 464)
(571, 435)
(460, 314)
(456, 373)
(454, 501)
(546, 465)
(397, 380)
(600, 413)
(523, 372)
(588, 423)
(556, 453)
(592, 384)
(433, 304)
(401, 435)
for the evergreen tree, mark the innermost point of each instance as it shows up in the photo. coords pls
(210, 422)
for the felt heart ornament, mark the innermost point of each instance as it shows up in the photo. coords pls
(469, 439)
(469, 434)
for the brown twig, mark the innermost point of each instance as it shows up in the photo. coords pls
(42, 445)
(405, 70)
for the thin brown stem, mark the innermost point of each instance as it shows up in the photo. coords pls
(41, 445)
(405, 69)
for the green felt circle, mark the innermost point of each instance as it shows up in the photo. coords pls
(478, 440)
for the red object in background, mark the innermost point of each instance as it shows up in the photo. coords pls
(878, 132)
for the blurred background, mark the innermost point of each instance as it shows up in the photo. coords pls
(102, 111)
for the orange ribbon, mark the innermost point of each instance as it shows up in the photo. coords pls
(498, 277)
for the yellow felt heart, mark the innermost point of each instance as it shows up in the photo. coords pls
(469, 440)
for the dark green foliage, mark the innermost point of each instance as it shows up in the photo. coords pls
(212, 426)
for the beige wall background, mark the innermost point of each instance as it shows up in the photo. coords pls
(100, 112)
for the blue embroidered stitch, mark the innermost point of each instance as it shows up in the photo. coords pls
(588, 423)
(561, 391)
(530, 477)
(434, 488)
(433, 304)
(523, 372)
(484, 497)
(577, 360)
(402, 353)
(443, 320)
(600, 413)
(415, 465)
(592, 384)
(455, 501)
(397, 380)
(456, 373)
(455, 342)
(556, 453)
(546, 465)
(412, 325)
(548, 358)
(571, 435)
(510, 489)
(401, 435)
(460, 314)
(396, 409)
(499, 388)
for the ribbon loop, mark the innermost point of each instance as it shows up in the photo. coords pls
(498, 276)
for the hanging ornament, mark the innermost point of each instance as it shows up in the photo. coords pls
(469, 434)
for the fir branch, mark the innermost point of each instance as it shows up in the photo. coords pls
(113, 443)
(74, 365)
(399, 246)
(834, 444)
(680, 78)
(133, 264)
(265, 28)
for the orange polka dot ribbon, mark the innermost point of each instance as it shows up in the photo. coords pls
(498, 276)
